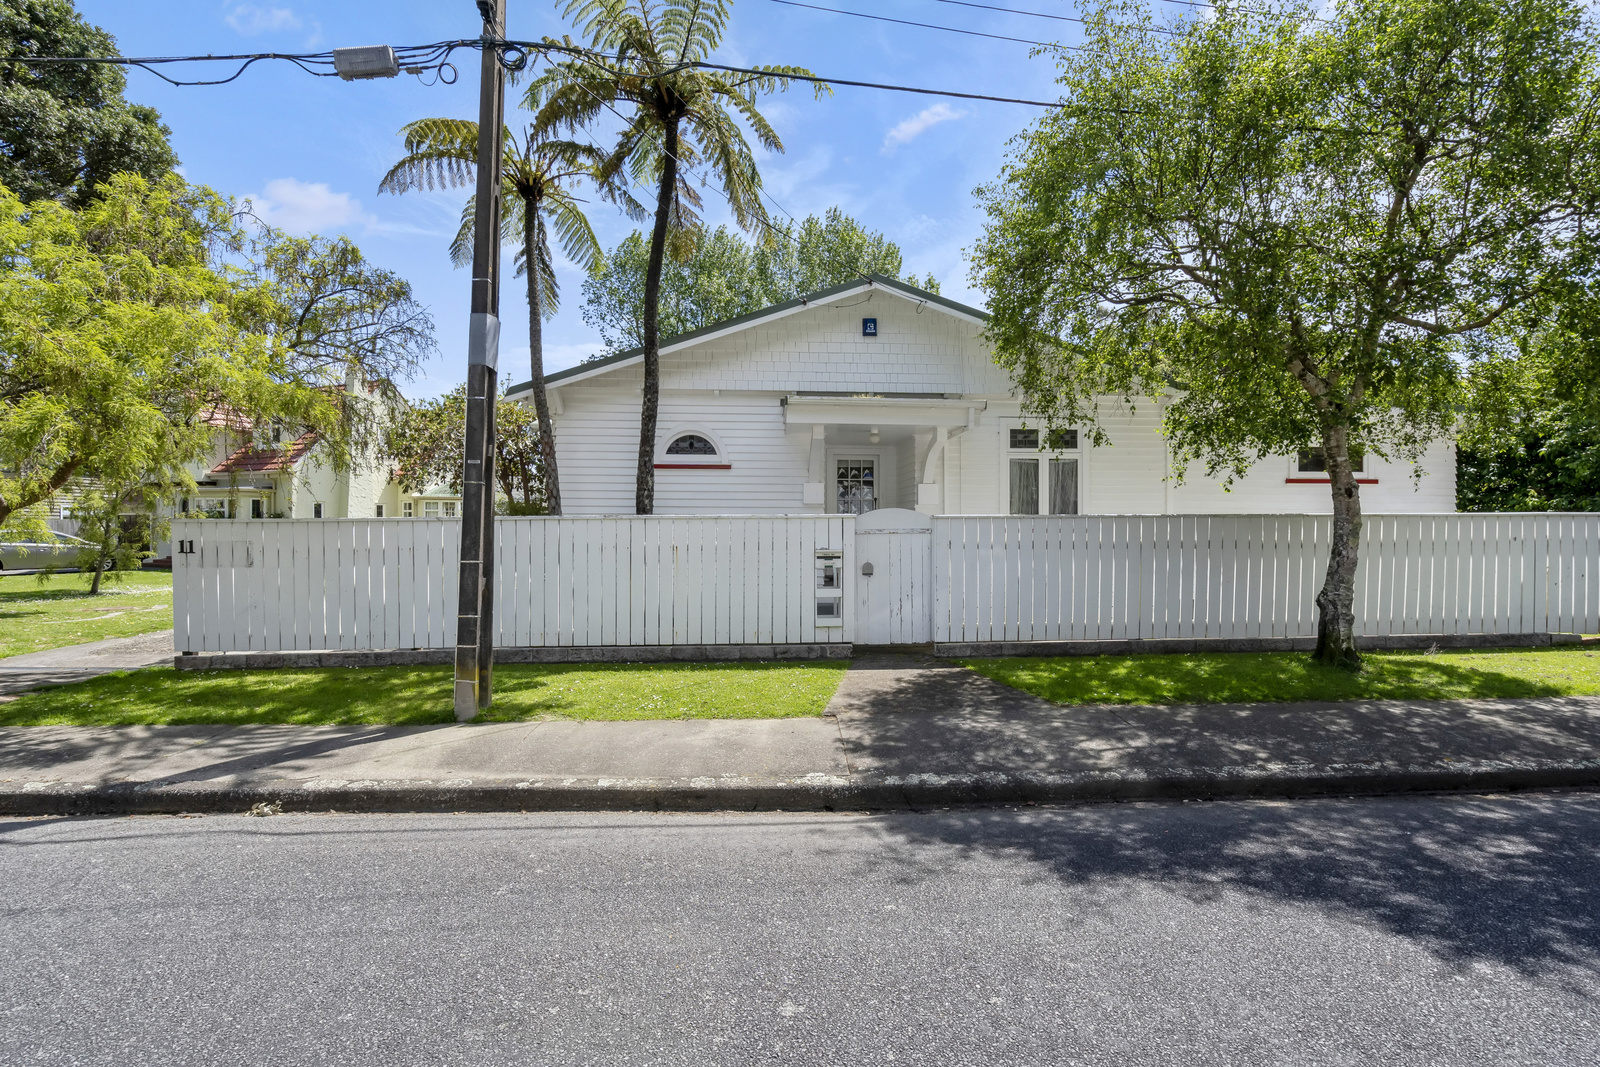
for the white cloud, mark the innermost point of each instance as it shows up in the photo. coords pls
(308, 207)
(913, 127)
(250, 20)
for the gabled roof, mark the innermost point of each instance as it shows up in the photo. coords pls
(788, 307)
(250, 458)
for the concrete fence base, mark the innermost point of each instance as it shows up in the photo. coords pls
(1181, 646)
(413, 657)
(211, 661)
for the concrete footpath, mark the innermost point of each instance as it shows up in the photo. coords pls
(77, 663)
(901, 731)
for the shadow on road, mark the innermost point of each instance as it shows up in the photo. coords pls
(1512, 880)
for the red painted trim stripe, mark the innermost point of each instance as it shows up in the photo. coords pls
(1324, 481)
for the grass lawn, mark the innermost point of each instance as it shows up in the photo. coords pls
(1250, 677)
(417, 696)
(59, 611)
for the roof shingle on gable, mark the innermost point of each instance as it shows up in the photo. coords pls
(250, 459)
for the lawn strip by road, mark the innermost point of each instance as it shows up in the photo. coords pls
(39, 612)
(1286, 677)
(418, 696)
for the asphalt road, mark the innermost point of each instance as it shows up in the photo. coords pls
(1407, 931)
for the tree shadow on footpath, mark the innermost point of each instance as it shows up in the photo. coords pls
(1512, 880)
(186, 753)
(940, 719)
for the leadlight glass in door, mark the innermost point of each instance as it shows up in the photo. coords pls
(857, 492)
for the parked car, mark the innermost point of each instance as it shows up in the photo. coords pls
(61, 550)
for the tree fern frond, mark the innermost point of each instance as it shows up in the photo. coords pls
(461, 243)
(573, 231)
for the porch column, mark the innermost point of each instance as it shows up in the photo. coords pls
(816, 486)
(930, 493)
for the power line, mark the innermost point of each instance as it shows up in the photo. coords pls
(436, 56)
(931, 26)
(687, 169)
(887, 87)
(1043, 15)
(412, 59)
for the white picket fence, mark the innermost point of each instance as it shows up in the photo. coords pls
(1239, 576)
(275, 585)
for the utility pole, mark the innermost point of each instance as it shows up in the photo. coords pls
(475, 619)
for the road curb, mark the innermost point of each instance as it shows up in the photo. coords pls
(810, 793)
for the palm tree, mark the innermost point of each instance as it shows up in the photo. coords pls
(678, 118)
(537, 172)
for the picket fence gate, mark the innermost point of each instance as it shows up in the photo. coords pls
(360, 584)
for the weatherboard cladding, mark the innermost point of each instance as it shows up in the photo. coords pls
(732, 383)
(597, 442)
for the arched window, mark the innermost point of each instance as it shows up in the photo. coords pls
(691, 447)
(691, 444)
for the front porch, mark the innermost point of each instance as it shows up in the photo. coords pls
(872, 452)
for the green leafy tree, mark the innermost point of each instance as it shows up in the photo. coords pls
(828, 251)
(538, 172)
(129, 326)
(724, 276)
(335, 320)
(116, 338)
(1301, 224)
(1530, 440)
(716, 281)
(425, 442)
(65, 127)
(677, 118)
(1549, 463)
(115, 544)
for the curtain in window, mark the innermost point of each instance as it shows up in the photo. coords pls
(1063, 487)
(1024, 487)
(856, 495)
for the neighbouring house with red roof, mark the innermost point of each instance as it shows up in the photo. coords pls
(289, 475)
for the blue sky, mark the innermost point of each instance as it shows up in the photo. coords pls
(312, 150)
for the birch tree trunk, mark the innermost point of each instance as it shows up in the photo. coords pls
(1336, 618)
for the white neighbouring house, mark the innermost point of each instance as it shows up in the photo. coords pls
(875, 394)
(290, 476)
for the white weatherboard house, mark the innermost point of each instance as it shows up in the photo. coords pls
(875, 394)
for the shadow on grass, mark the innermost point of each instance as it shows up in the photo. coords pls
(1510, 880)
(422, 696)
(1283, 677)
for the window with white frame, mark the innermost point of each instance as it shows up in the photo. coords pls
(408, 510)
(380, 511)
(316, 510)
(1042, 480)
(449, 509)
(430, 509)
